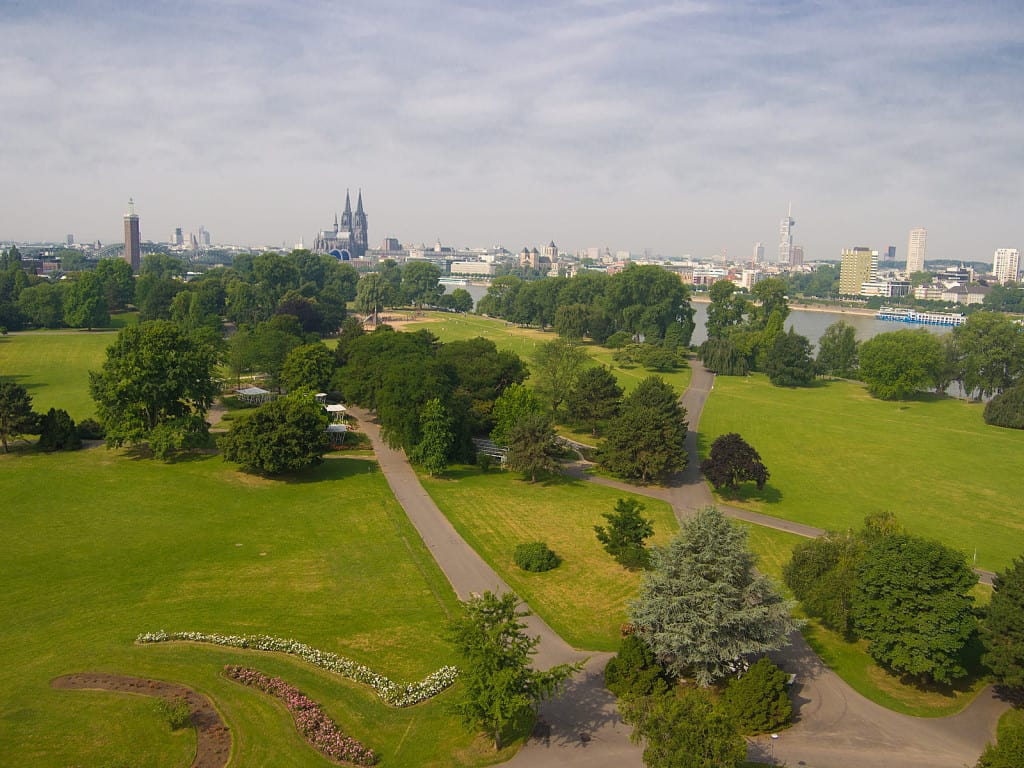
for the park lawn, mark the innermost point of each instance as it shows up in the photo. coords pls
(584, 598)
(836, 454)
(99, 546)
(54, 367)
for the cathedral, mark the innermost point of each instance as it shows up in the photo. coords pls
(349, 239)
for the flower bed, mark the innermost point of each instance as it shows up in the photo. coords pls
(395, 694)
(318, 729)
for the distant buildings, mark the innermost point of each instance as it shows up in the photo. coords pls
(916, 246)
(1006, 265)
(796, 256)
(786, 237)
(132, 241)
(758, 256)
(858, 266)
(349, 239)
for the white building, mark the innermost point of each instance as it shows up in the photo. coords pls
(916, 245)
(1006, 265)
(786, 237)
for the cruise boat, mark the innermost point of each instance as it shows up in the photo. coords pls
(901, 315)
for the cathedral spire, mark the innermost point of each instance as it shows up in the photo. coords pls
(359, 203)
(348, 204)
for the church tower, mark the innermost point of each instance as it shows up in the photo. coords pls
(360, 233)
(346, 217)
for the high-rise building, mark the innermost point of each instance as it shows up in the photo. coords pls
(890, 253)
(132, 241)
(70, 240)
(1006, 265)
(796, 256)
(786, 237)
(204, 236)
(858, 266)
(758, 255)
(915, 249)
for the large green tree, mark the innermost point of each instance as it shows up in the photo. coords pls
(420, 283)
(704, 607)
(436, 438)
(823, 574)
(913, 605)
(733, 460)
(153, 373)
(42, 304)
(373, 293)
(557, 365)
(310, 366)
(898, 364)
(16, 416)
(647, 300)
(85, 303)
(513, 405)
(647, 439)
(595, 399)
(989, 351)
(838, 351)
(1002, 628)
(789, 362)
(532, 448)
(626, 533)
(726, 310)
(285, 435)
(498, 686)
(118, 282)
(1007, 408)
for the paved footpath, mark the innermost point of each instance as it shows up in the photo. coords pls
(835, 727)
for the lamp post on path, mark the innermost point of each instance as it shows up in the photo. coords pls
(775, 736)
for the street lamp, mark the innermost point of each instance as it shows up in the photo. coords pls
(775, 736)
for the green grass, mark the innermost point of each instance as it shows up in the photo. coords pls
(118, 546)
(836, 454)
(584, 598)
(54, 367)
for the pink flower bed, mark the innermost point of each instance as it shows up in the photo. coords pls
(319, 730)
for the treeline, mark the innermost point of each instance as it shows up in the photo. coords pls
(645, 302)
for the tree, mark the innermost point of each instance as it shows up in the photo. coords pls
(153, 373)
(646, 300)
(285, 435)
(85, 305)
(726, 310)
(704, 608)
(460, 300)
(311, 366)
(16, 416)
(757, 701)
(647, 439)
(1008, 751)
(723, 357)
(684, 729)
(57, 432)
(180, 434)
(498, 687)
(732, 461)
(420, 283)
(42, 304)
(373, 293)
(634, 670)
(436, 439)
(571, 321)
(1002, 628)
(595, 398)
(913, 605)
(1007, 408)
(626, 533)
(898, 364)
(512, 406)
(557, 365)
(823, 574)
(838, 351)
(789, 361)
(118, 283)
(989, 351)
(532, 449)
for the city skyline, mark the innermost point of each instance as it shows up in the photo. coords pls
(682, 128)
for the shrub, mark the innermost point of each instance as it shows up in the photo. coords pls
(1006, 409)
(758, 701)
(90, 429)
(175, 711)
(618, 340)
(484, 461)
(57, 432)
(536, 557)
(635, 670)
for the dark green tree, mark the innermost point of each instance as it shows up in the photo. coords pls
(285, 435)
(1008, 751)
(42, 304)
(733, 460)
(684, 729)
(57, 432)
(153, 373)
(513, 405)
(757, 701)
(823, 574)
(373, 293)
(704, 607)
(989, 350)
(913, 605)
(500, 298)
(789, 361)
(532, 448)
(647, 439)
(1006, 409)
(626, 534)
(460, 300)
(118, 282)
(310, 366)
(898, 364)
(1002, 628)
(16, 416)
(498, 688)
(84, 301)
(556, 368)
(838, 351)
(420, 283)
(726, 310)
(722, 356)
(646, 300)
(571, 321)
(436, 438)
(595, 399)
(179, 435)
(635, 671)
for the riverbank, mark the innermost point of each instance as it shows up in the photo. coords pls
(832, 308)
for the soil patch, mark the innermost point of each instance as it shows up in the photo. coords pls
(213, 739)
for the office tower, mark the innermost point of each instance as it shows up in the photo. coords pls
(858, 266)
(132, 241)
(1006, 265)
(179, 237)
(758, 256)
(204, 236)
(915, 250)
(796, 256)
(71, 240)
(786, 237)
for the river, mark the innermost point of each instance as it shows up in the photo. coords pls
(807, 322)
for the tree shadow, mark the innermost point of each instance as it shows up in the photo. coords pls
(573, 718)
(770, 494)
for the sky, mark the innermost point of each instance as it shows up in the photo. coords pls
(685, 128)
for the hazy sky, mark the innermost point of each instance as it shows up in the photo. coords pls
(683, 127)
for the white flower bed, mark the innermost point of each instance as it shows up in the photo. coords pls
(395, 694)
